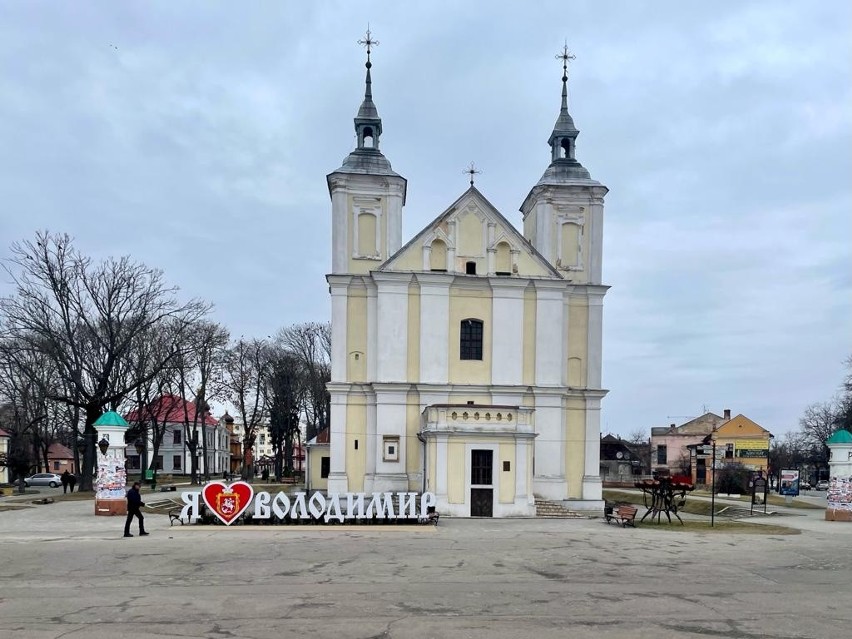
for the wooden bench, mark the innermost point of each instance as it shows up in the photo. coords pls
(623, 514)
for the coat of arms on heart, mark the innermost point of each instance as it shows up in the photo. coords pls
(228, 502)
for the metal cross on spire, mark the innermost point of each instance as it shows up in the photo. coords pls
(368, 42)
(565, 55)
(471, 170)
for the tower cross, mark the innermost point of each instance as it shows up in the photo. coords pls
(471, 170)
(368, 42)
(565, 55)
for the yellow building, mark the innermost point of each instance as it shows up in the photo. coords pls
(467, 362)
(742, 441)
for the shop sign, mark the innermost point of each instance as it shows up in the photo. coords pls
(229, 501)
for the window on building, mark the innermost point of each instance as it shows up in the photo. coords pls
(390, 449)
(481, 467)
(470, 339)
(159, 463)
(263, 439)
(325, 467)
(133, 462)
(470, 268)
(176, 462)
(176, 437)
(438, 256)
(56, 465)
(662, 454)
(729, 451)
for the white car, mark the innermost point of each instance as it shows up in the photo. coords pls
(43, 479)
(822, 484)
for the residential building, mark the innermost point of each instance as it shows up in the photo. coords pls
(174, 456)
(738, 441)
(60, 458)
(670, 446)
(467, 361)
(619, 461)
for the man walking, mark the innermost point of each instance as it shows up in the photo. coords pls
(64, 479)
(134, 503)
(72, 481)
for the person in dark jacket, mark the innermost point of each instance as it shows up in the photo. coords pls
(64, 478)
(72, 481)
(134, 503)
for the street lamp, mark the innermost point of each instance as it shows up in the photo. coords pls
(103, 445)
(713, 485)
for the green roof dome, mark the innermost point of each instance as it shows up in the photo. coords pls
(840, 437)
(111, 418)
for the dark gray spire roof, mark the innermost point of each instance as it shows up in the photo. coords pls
(367, 159)
(564, 166)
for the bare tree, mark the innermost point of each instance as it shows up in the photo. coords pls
(199, 378)
(311, 344)
(85, 317)
(25, 407)
(285, 387)
(637, 436)
(243, 384)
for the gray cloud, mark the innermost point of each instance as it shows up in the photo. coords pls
(196, 137)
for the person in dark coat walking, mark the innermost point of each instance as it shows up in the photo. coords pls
(134, 503)
(64, 479)
(72, 481)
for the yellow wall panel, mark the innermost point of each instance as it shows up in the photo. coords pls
(467, 304)
(506, 478)
(578, 342)
(575, 416)
(356, 335)
(529, 337)
(413, 333)
(356, 428)
(456, 472)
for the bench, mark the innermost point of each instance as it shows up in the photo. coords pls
(623, 514)
(432, 517)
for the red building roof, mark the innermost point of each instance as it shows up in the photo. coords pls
(3, 433)
(58, 451)
(169, 409)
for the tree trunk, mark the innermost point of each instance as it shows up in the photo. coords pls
(206, 471)
(90, 436)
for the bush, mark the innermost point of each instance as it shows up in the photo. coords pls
(732, 478)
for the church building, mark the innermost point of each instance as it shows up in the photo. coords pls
(467, 361)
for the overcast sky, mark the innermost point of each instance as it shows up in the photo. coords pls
(196, 137)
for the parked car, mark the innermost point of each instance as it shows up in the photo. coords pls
(43, 479)
(805, 485)
(822, 484)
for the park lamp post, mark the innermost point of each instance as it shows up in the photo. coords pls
(103, 445)
(139, 445)
(713, 483)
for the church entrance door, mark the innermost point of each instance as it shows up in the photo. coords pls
(481, 490)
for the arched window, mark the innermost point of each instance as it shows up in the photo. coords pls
(470, 339)
(367, 234)
(368, 138)
(438, 256)
(503, 260)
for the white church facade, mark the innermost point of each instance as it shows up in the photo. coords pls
(467, 361)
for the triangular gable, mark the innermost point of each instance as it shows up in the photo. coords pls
(741, 426)
(410, 256)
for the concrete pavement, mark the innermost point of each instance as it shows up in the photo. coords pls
(66, 573)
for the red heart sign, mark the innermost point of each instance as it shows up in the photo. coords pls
(228, 502)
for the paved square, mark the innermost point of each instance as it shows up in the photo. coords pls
(66, 573)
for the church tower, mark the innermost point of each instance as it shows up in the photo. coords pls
(563, 220)
(367, 196)
(563, 213)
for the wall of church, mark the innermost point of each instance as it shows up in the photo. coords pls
(507, 454)
(578, 342)
(469, 304)
(456, 471)
(356, 335)
(356, 431)
(575, 440)
(413, 368)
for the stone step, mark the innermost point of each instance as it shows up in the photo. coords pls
(551, 510)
